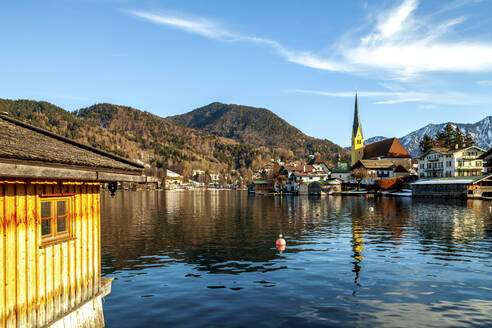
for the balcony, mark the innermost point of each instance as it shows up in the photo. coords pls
(469, 168)
(432, 159)
(469, 157)
(435, 169)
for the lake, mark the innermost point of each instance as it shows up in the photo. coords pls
(208, 259)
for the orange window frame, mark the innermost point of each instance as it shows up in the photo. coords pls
(54, 216)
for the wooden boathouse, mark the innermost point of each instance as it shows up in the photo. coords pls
(50, 248)
(454, 187)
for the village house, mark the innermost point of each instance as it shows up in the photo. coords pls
(456, 162)
(263, 187)
(487, 161)
(376, 169)
(173, 177)
(50, 226)
(197, 172)
(214, 177)
(319, 165)
(304, 172)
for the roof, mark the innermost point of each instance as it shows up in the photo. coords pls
(401, 169)
(316, 160)
(21, 143)
(308, 167)
(311, 174)
(486, 154)
(452, 180)
(388, 148)
(170, 173)
(262, 182)
(374, 164)
(450, 151)
(357, 124)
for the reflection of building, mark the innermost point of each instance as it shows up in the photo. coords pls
(50, 269)
(357, 247)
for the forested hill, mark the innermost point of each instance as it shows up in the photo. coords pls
(142, 136)
(256, 126)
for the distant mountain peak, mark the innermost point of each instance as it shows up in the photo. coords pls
(480, 131)
(256, 126)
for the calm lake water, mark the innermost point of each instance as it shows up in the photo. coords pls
(208, 259)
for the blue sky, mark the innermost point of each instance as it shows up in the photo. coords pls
(412, 62)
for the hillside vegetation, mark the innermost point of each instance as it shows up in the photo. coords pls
(259, 127)
(142, 136)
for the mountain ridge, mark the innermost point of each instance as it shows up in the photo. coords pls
(257, 126)
(481, 132)
(148, 138)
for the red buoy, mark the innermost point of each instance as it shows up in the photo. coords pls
(280, 241)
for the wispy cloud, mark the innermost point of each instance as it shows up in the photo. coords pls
(485, 83)
(427, 106)
(388, 98)
(214, 31)
(398, 42)
(406, 45)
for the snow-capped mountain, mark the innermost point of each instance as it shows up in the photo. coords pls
(480, 131)
(374, 139)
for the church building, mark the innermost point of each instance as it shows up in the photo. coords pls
(385, 150)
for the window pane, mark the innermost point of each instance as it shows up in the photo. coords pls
(45, 227)
(61, 225)
(61, 207)
(45, 210)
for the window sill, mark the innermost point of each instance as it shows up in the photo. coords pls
(56, 242)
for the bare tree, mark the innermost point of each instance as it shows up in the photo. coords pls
(358, 175)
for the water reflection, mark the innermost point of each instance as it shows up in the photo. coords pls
(180, 255)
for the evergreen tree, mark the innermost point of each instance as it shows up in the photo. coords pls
(426, 144)
(445, 137)
(458, 138)
(468, 140)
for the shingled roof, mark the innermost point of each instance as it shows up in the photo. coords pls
(22, 143)
(388, 148)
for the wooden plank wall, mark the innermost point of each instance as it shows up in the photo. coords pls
(39, 284)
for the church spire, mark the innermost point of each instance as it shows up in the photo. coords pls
(357, 138)
(357, 125)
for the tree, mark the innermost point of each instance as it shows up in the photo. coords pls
(426, 144)
(458, 138)
(358, 175)
(445, 137)
(468, 140)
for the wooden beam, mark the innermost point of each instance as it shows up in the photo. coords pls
(42, 172)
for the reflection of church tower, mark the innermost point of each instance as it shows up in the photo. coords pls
(357, 247)
(357, 137)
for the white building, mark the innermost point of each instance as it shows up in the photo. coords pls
(214, 177)
(444, 162)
